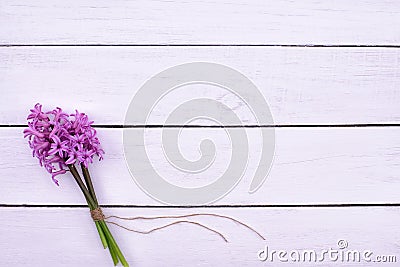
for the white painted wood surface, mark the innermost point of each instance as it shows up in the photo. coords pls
(349, 84)
(311, 166)
(301, 85)
(341, 22)
(67, 237)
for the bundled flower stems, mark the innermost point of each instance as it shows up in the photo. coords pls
(62, 142)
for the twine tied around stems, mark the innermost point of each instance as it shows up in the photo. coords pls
(97, 215)
(101, 220)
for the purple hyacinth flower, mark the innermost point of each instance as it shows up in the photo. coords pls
(58, 139)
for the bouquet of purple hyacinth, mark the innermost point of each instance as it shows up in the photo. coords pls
(62, 142)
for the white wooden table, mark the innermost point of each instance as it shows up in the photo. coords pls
(330, 72)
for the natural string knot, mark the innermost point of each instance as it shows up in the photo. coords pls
(97, 214)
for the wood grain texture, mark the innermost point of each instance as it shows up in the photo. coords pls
(342, 22)
(302, 86)
(317, 63)
(67, 237)
(311, 166)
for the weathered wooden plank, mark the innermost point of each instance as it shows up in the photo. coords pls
(67, 237)
(311, 166)
(200, 22)
(301, 86)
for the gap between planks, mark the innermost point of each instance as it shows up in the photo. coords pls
(120, 126)
(204, 45)
(346, 205)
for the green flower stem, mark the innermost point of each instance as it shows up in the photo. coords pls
(89, 199)
(112, 245)
(113, 254)
(88, 182)
(101, 234)
(91, 203)
(90, 188)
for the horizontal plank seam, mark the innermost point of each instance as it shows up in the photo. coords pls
(120, 126)
(206, 45)
(345, 205)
